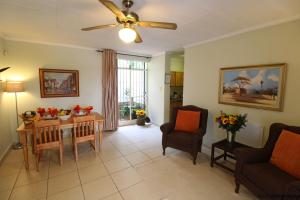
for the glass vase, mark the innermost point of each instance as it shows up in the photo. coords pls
(231, 137)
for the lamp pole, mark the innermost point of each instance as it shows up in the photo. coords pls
(15, 87)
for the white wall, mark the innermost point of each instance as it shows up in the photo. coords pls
(25, 59)
(156, 89)
(5, 134)
(275, 44)
(167, 88)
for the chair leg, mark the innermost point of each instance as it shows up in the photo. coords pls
(75, 151)
(32, 144)
(237, 187)
(61, 149)
(37, 158)
(95, 145)
(41, 152)
(164, 151)
(195, 157)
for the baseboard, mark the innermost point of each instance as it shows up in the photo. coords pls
(206, 149)
(5, 153)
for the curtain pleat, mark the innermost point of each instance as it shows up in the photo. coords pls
(110, 90)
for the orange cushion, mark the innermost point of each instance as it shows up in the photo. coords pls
(286, 154)
(187, 121)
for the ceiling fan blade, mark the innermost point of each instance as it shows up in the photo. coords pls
(112, 7)
(138, 38)
(150, 24)
(3, 69)
(99, 27)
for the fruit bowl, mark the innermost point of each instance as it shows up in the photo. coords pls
(64, 114)
(64, 117)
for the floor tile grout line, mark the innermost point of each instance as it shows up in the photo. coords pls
(48, 179)
(110, 175)
(131, 166)
(77, 170)
(18, 174)
(81, 183)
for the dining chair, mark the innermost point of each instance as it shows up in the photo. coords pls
(83, 130)
(47, 135)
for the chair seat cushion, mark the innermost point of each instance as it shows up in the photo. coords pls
(180, 138)
(268, 178)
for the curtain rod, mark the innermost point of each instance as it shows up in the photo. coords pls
(124, 54)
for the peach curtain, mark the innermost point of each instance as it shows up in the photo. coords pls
(110, 108)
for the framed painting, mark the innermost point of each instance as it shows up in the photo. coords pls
(259, 86)
(59, 83)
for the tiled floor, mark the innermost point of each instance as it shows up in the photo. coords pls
(130, 166)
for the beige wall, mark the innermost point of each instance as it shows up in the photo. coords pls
(5, 134)
(156, 89)
(25, 59)
(275, 44)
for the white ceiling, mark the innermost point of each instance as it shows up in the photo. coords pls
(59, 21)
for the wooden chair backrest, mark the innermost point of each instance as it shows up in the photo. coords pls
(84, 126)
(47, 131)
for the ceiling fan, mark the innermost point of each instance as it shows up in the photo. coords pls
(128, 20)
(3, 69)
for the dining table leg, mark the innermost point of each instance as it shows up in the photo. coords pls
(100, 128)
(23, 140)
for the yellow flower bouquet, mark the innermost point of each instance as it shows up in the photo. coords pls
(232, 123)
(141, 117)
(140, 112)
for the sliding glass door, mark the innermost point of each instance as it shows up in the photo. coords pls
(132, 89)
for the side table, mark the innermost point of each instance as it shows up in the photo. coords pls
(228, 150)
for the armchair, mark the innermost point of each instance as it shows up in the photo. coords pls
(265, 180)
(189, 142)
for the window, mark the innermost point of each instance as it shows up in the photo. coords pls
(132, 88)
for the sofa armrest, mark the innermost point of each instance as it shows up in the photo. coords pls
(293, 191)
(167, 128)
(249, 155)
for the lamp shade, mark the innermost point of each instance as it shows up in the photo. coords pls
(14, 86)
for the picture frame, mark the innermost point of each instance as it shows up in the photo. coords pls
(58, 83)
(254, 86)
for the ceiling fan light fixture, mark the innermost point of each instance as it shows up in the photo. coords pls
(127, 35)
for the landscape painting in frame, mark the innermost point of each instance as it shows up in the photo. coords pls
(260, 86)
(59, 83)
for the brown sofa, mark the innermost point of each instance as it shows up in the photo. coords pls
(188, 142)
(265, 180)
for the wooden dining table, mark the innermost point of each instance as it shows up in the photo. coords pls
(25, 130)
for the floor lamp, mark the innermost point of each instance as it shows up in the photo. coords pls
(15, 87)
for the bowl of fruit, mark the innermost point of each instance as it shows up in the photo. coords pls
(64, 114)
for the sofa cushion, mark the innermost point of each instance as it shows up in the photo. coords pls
(268, 178)
(187, 121)
(286, 153)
